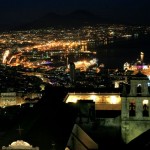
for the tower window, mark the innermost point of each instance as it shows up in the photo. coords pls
(139, 90)
(132, 109)
(148, 86)
(145, 108)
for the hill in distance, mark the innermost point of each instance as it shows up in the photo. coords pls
(77, 18)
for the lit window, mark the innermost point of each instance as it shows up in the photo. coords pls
(113, 99)
(145, 108)
(93, 97)
(74, 100)
(145, 102)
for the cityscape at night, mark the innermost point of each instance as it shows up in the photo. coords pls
(79, 80)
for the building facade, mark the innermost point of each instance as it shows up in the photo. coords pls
(135, 112)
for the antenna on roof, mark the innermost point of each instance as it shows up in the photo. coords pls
(19, 130)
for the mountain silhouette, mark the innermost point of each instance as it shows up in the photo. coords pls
(78, 18)
(73, 19)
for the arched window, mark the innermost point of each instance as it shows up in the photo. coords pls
(148, 87)
(145, 108)
(139, 90)
(132, 108)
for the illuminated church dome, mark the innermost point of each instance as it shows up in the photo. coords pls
(20, 144)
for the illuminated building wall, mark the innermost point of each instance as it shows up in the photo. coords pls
(80, 140)
(103, 101)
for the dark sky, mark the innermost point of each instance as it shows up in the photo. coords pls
(26, 10)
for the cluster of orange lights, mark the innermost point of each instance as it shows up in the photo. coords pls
(58, 45)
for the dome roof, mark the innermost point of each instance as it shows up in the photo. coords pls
(20, 143)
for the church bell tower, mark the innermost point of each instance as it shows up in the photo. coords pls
(135, 110)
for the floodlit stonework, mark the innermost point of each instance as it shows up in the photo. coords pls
(20, 145)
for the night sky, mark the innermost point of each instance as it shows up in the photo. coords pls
(12, 11)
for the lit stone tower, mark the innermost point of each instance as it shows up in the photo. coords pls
(135, 111)
(72, 72)
(142, 57)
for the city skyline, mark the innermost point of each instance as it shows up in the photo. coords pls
(54, 77)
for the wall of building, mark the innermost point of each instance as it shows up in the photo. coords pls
(132, 129)
(79, 140)
(135, 109)
(115, 122)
